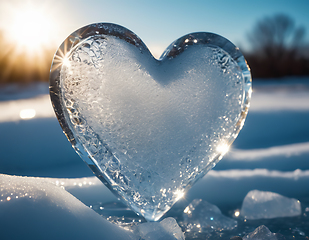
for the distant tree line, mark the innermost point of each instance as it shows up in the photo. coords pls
(278, 48)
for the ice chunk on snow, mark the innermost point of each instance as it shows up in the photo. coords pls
(170, 225)
(259, 204)
(202, 216)
(167, 229)
(41, 210)
(262, 232)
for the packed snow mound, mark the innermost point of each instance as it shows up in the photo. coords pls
(283, 158)
(41, 210)
(261, 205)
(264, 101)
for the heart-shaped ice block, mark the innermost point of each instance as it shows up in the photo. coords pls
(149, 128)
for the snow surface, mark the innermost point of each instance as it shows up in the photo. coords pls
(270, 154)
(34, 208)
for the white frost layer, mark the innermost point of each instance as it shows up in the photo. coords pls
(265, 205)
(38, 209)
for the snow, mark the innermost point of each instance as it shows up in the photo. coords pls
(264, 102)
(270, 154)
(35, 208)
(284, 158)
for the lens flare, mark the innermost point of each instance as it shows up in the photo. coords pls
(223, 148)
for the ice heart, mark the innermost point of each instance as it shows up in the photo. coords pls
(149, 128)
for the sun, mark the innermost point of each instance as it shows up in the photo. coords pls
(29, 40)
(30, 28)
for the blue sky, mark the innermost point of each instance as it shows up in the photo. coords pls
(160, 22)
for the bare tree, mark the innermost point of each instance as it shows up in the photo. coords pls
(278, 48)
(277, 36)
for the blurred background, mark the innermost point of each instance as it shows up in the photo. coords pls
(273, 35)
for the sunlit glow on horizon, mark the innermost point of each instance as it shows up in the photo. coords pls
(30, 28)
(29, 35)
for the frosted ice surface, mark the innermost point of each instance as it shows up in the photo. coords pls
(167, 229)
(260, 204)
(261, 233)
(202, 216)
(151, 127)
